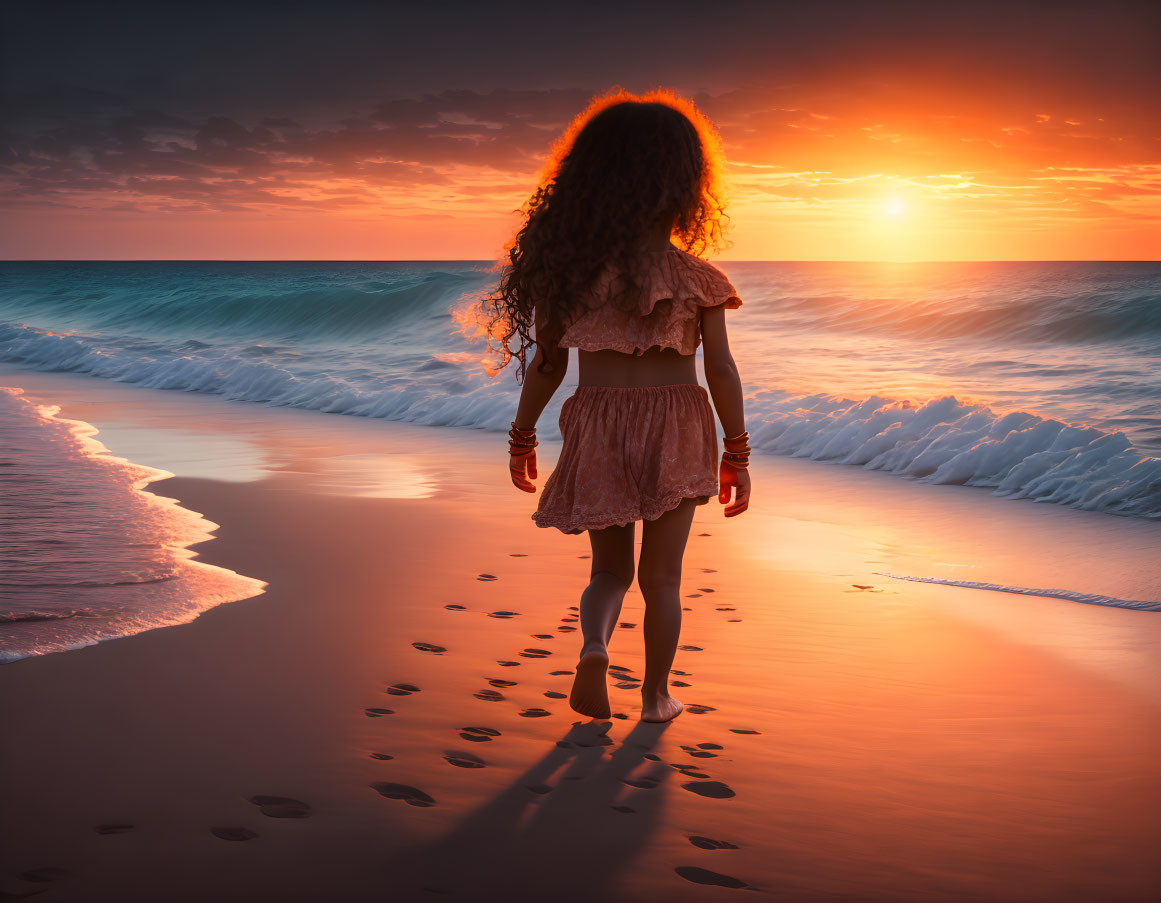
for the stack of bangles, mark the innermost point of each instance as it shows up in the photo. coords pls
(737, 450)
(522, 441)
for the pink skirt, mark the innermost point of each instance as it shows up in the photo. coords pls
(630, 453)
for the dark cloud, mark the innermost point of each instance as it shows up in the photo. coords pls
(254, 104)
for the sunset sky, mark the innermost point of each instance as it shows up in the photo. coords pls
(855, 131)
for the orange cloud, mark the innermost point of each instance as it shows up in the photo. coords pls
(849, 169)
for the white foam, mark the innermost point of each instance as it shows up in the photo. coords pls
(88, 555)
(1016, 454)
(1069, 595)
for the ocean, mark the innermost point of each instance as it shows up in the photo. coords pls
(1031, 380)
(1038, 380)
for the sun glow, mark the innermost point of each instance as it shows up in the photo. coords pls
(894, 207)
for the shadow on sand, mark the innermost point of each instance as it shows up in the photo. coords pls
(563, 841)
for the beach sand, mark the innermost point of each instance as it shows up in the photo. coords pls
(387, 720)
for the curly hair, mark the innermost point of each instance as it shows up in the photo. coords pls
(626, 166)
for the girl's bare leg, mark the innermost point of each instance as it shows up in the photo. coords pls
(600, 606)
(659, 575)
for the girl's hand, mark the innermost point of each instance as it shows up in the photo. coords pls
(739, 480)
(523, 470)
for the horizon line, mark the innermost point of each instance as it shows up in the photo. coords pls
(489, 260)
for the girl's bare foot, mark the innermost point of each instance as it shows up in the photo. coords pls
(590, 694)
(659, 707)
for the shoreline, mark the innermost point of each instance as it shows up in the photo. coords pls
(912, 741)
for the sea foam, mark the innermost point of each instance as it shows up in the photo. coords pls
(86, 554)
(380, 340)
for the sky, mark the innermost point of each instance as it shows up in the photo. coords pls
(381, 131)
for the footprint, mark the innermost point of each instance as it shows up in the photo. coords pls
(410, 795)
(740, 730)
(463, 759)
(628, 625)
(402, 689)
(627, 685)
(705, 589)
(699, 709)
(715, 790)
(705, 534)
(704, 876)
(503, 684)
(558, 673)
(234, 833)
(566, 628)
(489, 695)
(486, 577)
(503, 614)
(517, 554)
(641, 783)
(281, 806)
(725, 608)
(709, 746)
(430, 647)
(534, 713)
(679, 683)
(707, 843)
(456, 607)
(44, 874)
(709, 570)
(542, 636)
(478, 734)
(679, 673)
(692, 596)
(378, 713)
(619, 668)
(507, 664)
(733, 620)
(539, 788)
(384, 756)
(703, 754)
(688, 648)
(536, 653)
(112, 829)
(552, 694)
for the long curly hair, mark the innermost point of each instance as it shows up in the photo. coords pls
(626, 166)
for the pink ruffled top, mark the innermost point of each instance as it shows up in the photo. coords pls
(678, 285)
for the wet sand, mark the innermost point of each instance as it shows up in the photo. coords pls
(388, 720)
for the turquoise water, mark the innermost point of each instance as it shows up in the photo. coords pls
(1038, 380)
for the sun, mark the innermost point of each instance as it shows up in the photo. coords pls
(894, 207)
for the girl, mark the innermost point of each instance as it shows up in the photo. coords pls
(594, 267)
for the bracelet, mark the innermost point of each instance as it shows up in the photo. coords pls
(739, 443)
(737, 451)
(522, 438)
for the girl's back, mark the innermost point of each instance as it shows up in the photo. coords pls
(594, 269)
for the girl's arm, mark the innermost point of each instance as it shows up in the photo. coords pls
(725, 386)
(539, 387)
(535, 393)
(721, 373)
